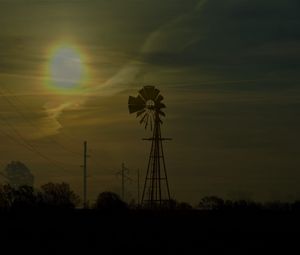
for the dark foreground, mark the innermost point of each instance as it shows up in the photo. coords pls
(144, 232)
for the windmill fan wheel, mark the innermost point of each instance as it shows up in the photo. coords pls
(147, 105)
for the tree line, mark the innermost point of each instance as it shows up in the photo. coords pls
(60, 196)
(52, 196)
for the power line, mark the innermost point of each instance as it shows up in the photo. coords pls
(63, 147)
(23, 142)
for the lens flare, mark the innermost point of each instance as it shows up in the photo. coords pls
(66, 70)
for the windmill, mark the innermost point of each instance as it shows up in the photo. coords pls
(148, 108)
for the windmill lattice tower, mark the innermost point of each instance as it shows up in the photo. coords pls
(148, 108)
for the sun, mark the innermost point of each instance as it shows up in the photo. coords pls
(66, 69)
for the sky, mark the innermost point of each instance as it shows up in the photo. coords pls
(229, 71)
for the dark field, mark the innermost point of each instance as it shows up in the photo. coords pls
(145, 232)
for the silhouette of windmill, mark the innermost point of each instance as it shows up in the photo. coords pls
(148, 108)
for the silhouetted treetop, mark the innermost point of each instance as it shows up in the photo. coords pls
(20, 198)
(110, 201)
(211, 203)
(58, 195)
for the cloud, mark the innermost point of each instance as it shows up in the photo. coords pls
(133, 71)
(227, 40)
(174, 35)
(228, 36)
(203, 42)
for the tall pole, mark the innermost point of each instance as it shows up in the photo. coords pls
(138, 186)
(123, 181)
(84, 174)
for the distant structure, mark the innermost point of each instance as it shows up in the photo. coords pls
(124, 173)
(17, 174)
(84, 166)
(148, 108)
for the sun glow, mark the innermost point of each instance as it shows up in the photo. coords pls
(66, 69)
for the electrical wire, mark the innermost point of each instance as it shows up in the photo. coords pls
(23, 142)
(29, 122)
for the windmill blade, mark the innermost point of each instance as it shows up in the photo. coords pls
(140, 100)
(161, 113)
(143, 94)
(146, 122)
(135, 104)
(136, 100)
(149, 92)
(140, 112)
(160, 106)
(155, 94)
(159, 99)
(143, 118)
(134, 108)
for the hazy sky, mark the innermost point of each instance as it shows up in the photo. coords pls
(229, 71)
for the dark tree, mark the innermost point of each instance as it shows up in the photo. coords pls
(58, 195)
(6, 196)
(20, 198)
(109, 201)
(277, 206)
(173, 204)
(24, 198)
(211, 203)
(295, 206)
(184, 206)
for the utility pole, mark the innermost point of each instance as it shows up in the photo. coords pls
(123, 181)
(124, 177)
(84, 174)
(138, 186)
